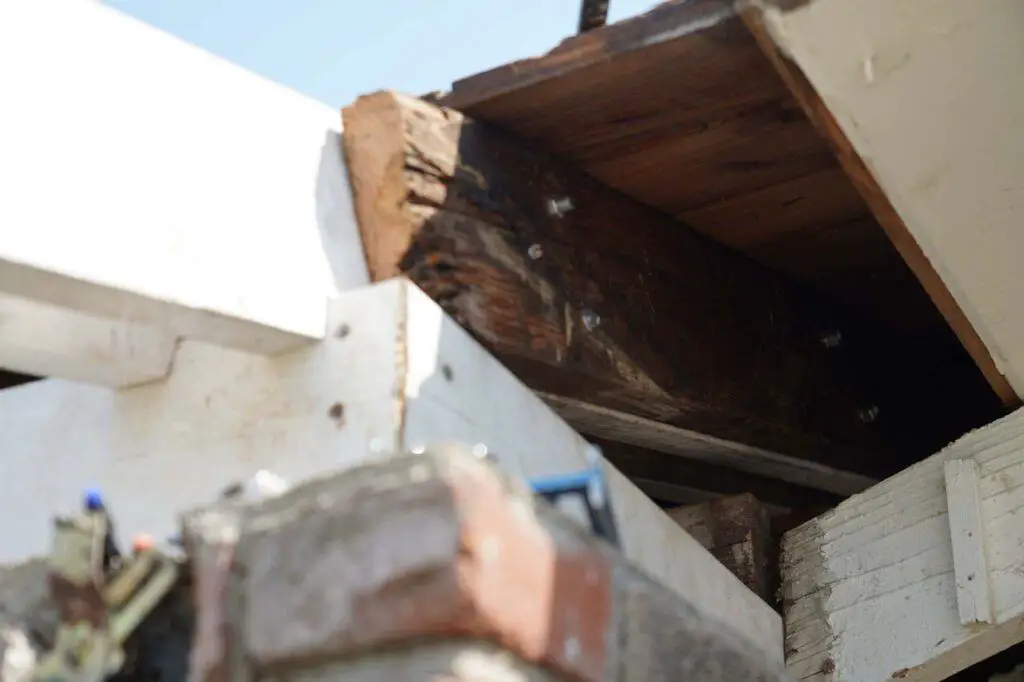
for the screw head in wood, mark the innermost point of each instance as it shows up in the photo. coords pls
(832, 339)
(535, 252)
(559, 206)
(591, 320)
(868, 414)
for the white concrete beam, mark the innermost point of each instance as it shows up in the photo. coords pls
(394, 369)
(147, 182)
(918, 577)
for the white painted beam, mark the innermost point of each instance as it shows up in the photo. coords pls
(40, 339)
(918, 577)
(148, 182)
(927, 94)
(394, 369)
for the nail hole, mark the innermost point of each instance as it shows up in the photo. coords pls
(337, 413)
(447, 372)
(342, 331)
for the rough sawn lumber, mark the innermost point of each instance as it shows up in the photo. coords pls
(737, 531)
(588, 295)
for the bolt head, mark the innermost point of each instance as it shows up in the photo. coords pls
(868, 414)
(832, 339)
(535, 252)
(591, 320)
(559, 206)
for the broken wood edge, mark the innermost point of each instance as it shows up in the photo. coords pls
(663, 23)
(874, 196)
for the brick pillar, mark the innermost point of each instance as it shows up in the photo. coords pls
(432, 567)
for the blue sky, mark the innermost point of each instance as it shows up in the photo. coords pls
(336, 50)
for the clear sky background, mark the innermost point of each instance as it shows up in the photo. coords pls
(336, 50)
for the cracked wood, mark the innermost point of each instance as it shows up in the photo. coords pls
(587, 294)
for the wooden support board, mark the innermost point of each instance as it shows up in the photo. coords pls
(686, 481)
(155, 192)
(918, 577)
(394, 369)
(736, 530)
(680, 109)
(941, 167)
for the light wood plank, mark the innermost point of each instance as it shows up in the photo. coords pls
(395, 370)
(149, 182)
(619, 426)
(871, 588)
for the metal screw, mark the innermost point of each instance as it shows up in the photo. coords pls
(560, 206)
(591, 319)
(868, 414)
(832, 339)
(535, 252)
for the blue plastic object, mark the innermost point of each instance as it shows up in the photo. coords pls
(93, 499)
(556, 485)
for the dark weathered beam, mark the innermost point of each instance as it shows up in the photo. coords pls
(736, 530)
(589, 295)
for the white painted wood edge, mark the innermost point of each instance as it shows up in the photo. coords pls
(42, 340)
(967, 533)
(946, 156)
(151, 183)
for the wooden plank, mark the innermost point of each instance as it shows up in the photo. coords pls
(203, 201)
(871, 588)
(705, 482)
(664, 325)
(967, 534)
(621, 427)
(395, 372)
(678, 108)
(737, 532)
(927, 158)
